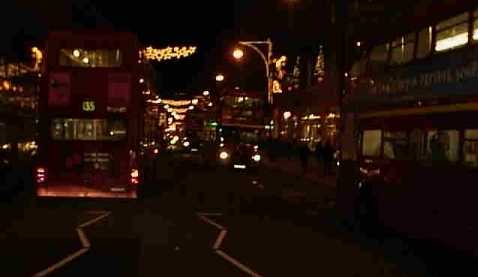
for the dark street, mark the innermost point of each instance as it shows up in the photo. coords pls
(272, 229)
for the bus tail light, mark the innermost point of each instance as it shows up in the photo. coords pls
(40, 175)
(134, 180)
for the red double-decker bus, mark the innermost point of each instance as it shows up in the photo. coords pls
(91, 115)
(411, 132)
(241, 128)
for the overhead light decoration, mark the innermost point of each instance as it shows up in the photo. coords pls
(168, 53)
(179, 110)
(176, 103)
(194, 101)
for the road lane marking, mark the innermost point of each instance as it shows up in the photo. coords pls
(94, 220)
(207, 220)
(218, 242)
(61, 263)
(219, 239)
(84, 242)
(237, 263)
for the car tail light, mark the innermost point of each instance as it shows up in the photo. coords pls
(40, 175)
(134, 180)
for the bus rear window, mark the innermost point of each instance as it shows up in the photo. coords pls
(371, 143)
(88, 129)
(90, 58)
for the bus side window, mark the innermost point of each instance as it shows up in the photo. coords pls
(443, 145)
(395, 145)
(470, 147)
(371, 143)
(417, 146)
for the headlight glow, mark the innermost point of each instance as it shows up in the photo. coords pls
(256, 158)
(223, 155)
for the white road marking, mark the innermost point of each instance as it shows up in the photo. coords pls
(237, 263)
(61, 263)
(84, 242)
(207, 220)
(94, 220)
(218, 242)
(219, 239)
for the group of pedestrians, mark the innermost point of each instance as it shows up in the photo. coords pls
(324, 153)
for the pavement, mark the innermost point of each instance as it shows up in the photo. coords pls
(207, 222)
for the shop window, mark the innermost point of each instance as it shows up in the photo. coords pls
(90, 58)
(371, 143)
(395, 145)
(443, 145)
(424, 42)
(452, 33)
(402, 49)
(470, 147)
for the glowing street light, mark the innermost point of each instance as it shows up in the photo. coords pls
(287, 115)
(205, 93)
(266, 58)
(76, 53)
(238, 54)
(219, 78)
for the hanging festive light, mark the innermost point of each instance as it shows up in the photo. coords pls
(176, 102)
(168, 53)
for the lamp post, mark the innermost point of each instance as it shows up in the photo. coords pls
(238, 54)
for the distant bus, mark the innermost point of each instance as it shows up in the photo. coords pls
(91, 116)
(240, 130)
(410, 126)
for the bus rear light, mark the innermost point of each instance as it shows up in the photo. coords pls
(41, 174)
(134, 180)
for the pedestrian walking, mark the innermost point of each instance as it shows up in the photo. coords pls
(304, 153)
(328, 157)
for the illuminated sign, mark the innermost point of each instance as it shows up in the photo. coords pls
(88, 106)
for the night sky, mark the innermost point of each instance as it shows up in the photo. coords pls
(213, 26)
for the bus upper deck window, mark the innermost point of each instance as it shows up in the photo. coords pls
(475, 25)
(452, 33)
(402, 49)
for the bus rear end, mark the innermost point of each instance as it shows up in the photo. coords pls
(90, 117)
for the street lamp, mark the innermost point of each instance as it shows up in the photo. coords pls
(238, 54)
(219, 77)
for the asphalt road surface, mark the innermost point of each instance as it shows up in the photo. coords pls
(196, 221)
